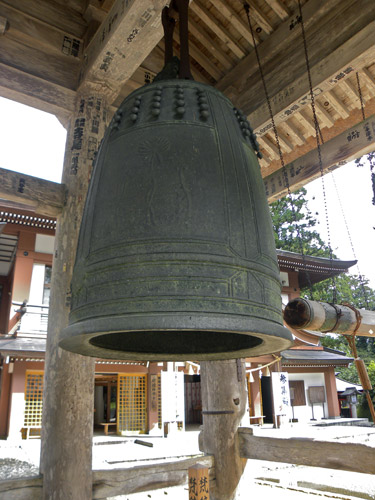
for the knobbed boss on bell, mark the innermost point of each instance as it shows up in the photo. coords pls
(176, 257)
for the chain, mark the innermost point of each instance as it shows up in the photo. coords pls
(360, 96)
(319, 141)
(284, 170)
(350, 241)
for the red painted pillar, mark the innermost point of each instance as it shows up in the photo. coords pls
(331, 391)
(6, 379)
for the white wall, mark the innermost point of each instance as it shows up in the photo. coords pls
(304, 413)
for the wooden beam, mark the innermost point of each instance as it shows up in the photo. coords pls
(235, 20)
(126, 37)
(45, 197)
(293, 132)
(34, 32)
(370, 80)
(240, 77)
(306, 121)
(269, 146)
(214, 26)
(331, 70)
(201, 35)
(109, 483)
(337, 104)
(36, 92)
(260, 19)
(46, 65)
(324, 118)
(51, 13)
(306, 451)
(351, 144)
(201, 58)
(279, 8)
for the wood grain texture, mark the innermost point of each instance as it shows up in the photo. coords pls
(36, 92)
(290, 98)
(45, 197)
(305, 451)
(223, 388)
(240, 77)
(68, 396)
(351, 144)
(108, 483)
(126, 37)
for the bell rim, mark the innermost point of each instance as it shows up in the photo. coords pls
(77, 338)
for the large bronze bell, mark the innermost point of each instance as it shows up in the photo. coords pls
(176, 257)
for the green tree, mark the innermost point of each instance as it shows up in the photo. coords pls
(294, 224)
(370, 158)
(294, 228)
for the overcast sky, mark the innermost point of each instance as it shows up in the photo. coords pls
(33, 142)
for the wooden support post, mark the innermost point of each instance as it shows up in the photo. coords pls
(69, 378)
(199, 483)
(223, 387)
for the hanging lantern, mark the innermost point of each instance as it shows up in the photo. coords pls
(176, 257)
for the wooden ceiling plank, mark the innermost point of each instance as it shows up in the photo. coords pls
(293, 131)
(52, 14)
(241, 75)
(234, 19)
(323, 115)
(278, 8)
(198, 33)
(370, 80)
(51, 67)
(126, 37)
(34, 32)
(36, 92)
(269, 146)
(258, 16)
(331, 70)
(347, 28)
(337, 103)
(45, 197)
(345, 147)
(285, 144)
(306, 122)
(214, 26)
(352, 91)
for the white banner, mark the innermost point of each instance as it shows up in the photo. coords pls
(281, 395)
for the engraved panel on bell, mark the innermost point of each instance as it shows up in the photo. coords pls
(161, 196)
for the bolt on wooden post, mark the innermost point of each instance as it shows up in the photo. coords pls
(198, 483)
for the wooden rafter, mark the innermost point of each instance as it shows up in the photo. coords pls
(345, 147)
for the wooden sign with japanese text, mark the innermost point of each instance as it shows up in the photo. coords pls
(198, 483)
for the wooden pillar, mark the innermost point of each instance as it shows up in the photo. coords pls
(223, 386)
(69, 378)
(256, 399)
(5, 396)
(331, 391)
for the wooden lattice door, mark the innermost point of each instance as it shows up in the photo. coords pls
(131, 404)
(33, 399)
